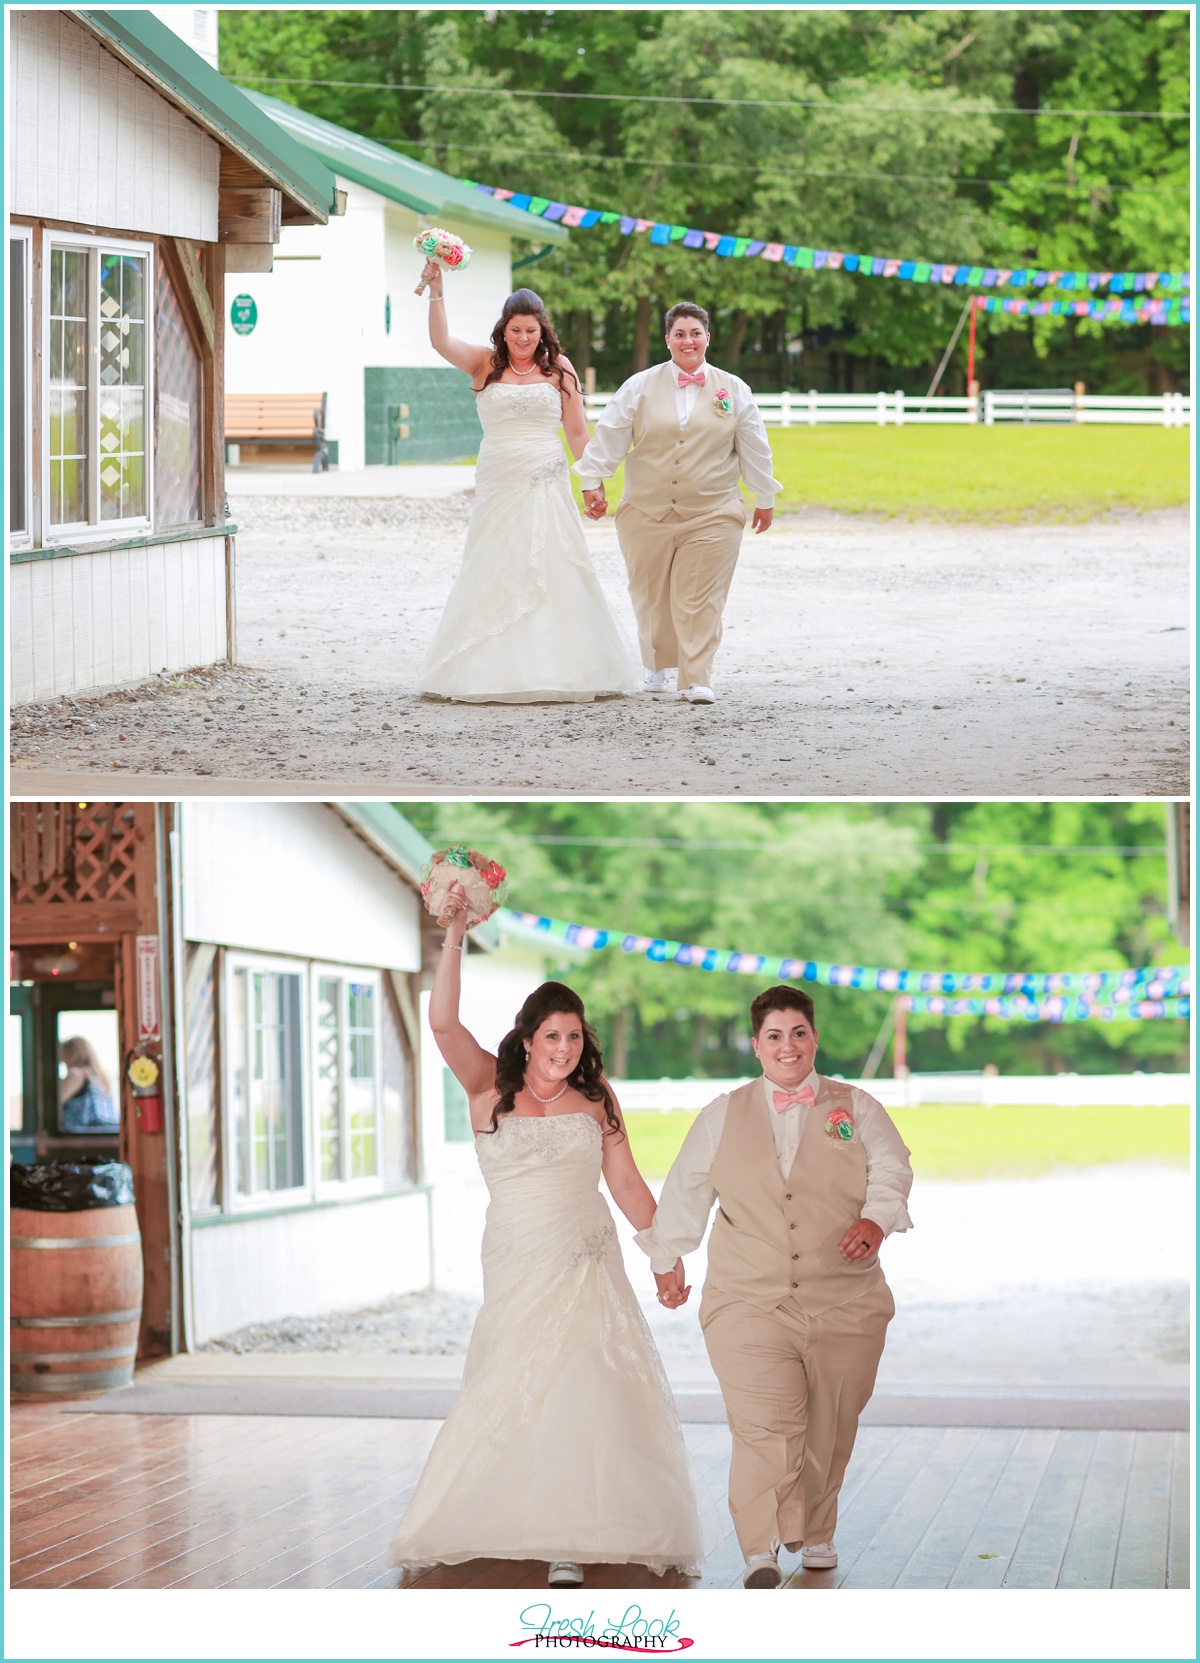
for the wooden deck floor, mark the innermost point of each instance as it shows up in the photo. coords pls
(238, 1501)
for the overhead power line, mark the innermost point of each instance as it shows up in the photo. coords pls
(827, 105)
(583, 159)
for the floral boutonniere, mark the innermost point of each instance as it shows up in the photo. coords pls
(723, 404)
(838, 1124)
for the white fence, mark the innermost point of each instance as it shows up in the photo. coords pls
(813, 409)
(986, 1090)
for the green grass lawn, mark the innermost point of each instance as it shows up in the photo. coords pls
(966, 1141)
(976, 473)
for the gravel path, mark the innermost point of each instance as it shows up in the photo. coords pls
(861, 657)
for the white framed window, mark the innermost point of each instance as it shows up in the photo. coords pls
(97, 346)
(264, 1051)
(20, 385)
(347, 1077)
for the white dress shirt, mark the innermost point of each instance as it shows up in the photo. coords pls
(609, 444)
(688, 1194)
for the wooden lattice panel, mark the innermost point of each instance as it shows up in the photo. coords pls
(64, 853)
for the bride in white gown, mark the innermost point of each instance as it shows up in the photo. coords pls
(526, 621)
(564, 1444)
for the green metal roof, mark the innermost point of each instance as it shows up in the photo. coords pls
(400, 178)
(225, 111)
(400, 843)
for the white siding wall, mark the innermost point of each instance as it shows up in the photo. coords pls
(85, 621)
(303, 1263)
(90, 142)
(293, 878)
(321, 320)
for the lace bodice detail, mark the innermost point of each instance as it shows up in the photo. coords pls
(522, 1144)
(511, 414)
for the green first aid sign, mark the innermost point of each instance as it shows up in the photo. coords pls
(243, 314)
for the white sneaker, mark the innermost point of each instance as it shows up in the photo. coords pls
(761, 1570)
(699, 695)
(819, 1556)
(565, 1573)
(656, 681)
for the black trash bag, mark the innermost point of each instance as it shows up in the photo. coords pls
(67, 1187)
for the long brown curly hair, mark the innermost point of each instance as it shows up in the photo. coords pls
(548, 352)
(551, 999)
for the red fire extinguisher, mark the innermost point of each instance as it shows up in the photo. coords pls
(145, 1079)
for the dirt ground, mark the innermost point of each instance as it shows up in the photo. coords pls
(862, 657)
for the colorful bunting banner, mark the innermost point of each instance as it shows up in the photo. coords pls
(1113, 310)
(866, 265)
(1124, 992)
(1053, 1010)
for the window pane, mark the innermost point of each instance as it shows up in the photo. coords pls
(328, 1081)
(89, 1061)
(123, 386)
(18, 370)
(67, 400)
(362, 1094)
(239, 1080)
(275, 1084)
(180, 415)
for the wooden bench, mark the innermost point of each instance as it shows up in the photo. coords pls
(295, 420)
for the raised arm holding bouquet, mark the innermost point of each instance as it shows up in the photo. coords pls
(526, 622)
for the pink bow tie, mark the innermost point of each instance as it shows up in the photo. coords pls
(686, 380)
(784, 1100)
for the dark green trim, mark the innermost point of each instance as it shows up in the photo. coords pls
(177, 534)
(398, 177)
(223, 109)
(532, 259)
(256, 1215)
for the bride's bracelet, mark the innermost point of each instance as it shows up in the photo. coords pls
(455, 947)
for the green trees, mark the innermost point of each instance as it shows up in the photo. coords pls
(991, 886)
(882, 132)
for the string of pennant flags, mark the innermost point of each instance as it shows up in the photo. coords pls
(1051, 1010)
(865, 265)
(1148, 991)
(1161, 309)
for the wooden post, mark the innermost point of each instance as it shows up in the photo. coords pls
(971, 347)
(900, 1041)
(1080, 390)
(973, 394)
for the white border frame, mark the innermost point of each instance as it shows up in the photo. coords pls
(97, 530)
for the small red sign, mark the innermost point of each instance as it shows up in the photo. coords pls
(147, 987)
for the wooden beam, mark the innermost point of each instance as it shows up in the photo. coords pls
(187, 274)
(213, 435)
(249, 256)
(71, 921)
(249, 216)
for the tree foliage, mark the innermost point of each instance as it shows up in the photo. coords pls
(991, 886)
(883, 150)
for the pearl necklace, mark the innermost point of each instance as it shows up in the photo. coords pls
(534, 366)
(561, 1092)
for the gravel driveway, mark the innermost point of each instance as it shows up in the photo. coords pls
(861, 657)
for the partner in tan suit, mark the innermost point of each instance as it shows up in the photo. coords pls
(687, 433)
(810, 1175)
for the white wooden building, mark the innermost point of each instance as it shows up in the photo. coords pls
(138, 177)
(269, 958)
(337, 315)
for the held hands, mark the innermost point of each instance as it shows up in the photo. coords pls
(431, 277)
(861, 1240)
(595, 503)
(672, 1290)
(762, 519)
(456, 906)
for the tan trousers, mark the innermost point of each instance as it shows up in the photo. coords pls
(679, 576)
(794, 1387)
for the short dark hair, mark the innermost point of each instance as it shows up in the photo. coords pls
(686, 309)
(781, 998)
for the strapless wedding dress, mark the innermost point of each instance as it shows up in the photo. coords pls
(526, 621)
(565, 1442)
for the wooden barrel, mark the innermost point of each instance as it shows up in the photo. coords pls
(75, 1299)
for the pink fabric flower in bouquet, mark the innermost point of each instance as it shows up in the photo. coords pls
(443, 247)
(483, 882)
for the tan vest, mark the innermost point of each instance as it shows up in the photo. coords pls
(774, 1239)
(688, 470)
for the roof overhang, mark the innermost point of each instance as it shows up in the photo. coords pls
(183, 77)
